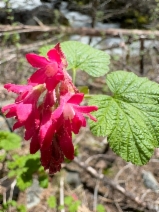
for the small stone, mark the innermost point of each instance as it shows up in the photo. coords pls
(33, 194)
(150, 181)
(3, 124)
(73, 179)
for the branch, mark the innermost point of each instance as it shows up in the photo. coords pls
(8, 29)
(113, 185)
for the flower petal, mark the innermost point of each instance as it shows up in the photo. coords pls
(10, 110)
(76, 98)
(53, 55)
(46, 157)
(49, 99)
(17, 88)
(38, 77)
(29, 133)
(91, 117)
(85, 109)
(58, 112)
(78, 122)
(17, 125)
(51, 83)
(23, 111)
(65, 140)
(36, 61)
(47, 130)
(61, 53)
(34, 144)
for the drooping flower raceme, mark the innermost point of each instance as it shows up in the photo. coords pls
(48, 107)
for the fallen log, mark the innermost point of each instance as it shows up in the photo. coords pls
(81, 31)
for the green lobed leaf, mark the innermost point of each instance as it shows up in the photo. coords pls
(52, 202)
(130, 118)
(83, 57)
(68, 200)
(9, 141)
(43, 181)
(86, 58)
(23, 167)
(74, 206)
(100, 208)
(21, 208)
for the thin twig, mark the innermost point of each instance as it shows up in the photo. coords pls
(110, 159)
(7, 122)
(4, 197)
(96, 195)
(113, 185)
(129, 165)
(118, 206)
(12, 189)
(11, 192)
(62, 193)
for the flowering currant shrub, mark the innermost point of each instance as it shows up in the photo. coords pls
(49, 122)
(49, 109)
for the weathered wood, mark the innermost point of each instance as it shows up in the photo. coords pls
(81, 31)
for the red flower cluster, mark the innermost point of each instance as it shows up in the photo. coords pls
(48, 108)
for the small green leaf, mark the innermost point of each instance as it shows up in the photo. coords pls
(12, 203)
(84, 89)
(83, 57)
(51, 201)
(100, 208)
(9, 141)
(68, 200)
(24, 181)
(130, 118)
(23, 167)
(43, 181)
(21, 208)
(74, 206)
(5, 206)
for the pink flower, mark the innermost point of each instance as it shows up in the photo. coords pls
(44, 135)
(50, 123)
(50, 70)
(52, 157)
(70, 118)
(25, 107)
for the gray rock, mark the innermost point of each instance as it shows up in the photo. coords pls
(33, 194)
(73, 179)
(3, 124)
(150, 181)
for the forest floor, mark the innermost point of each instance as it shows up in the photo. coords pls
(142, 181)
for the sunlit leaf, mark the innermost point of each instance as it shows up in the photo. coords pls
(9, 141)
(130, 118)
